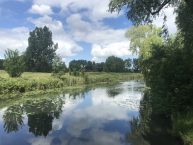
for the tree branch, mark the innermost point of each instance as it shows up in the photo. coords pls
(159, 9)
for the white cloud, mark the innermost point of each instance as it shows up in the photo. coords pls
(93, 32)
(41, 9)
(106, 41)
(95, 9)
(170, 23)
(119, 49)
(15, 38)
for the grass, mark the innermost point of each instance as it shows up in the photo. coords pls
(41, 82)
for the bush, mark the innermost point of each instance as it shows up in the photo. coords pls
(14, 63)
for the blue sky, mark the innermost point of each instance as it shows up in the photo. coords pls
(84, 29)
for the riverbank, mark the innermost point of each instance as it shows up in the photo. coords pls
(33, 83)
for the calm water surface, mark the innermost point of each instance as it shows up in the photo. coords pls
(99, 116)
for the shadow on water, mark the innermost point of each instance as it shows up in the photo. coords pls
(151, 129)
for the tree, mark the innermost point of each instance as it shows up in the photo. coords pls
(89, 66)
(77, 65)
(141, 11)
(40, 51)
(142, 37)
(98, 67)
(14, 63)
(58, 65)
(114, 64)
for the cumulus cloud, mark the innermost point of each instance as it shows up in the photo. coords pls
(15, 38)
(41, 9)
(106, 41)
(93, 32)
(95, 9)
(119, 49)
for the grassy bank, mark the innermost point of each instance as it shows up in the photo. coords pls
(38, 82)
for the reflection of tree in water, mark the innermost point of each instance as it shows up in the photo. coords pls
(40, 123)
(151, 128)
(13, 118)
(114, 91)
(40, 113)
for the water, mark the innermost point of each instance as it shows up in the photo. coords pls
(99, 116)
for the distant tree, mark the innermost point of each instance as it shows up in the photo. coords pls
(89, 66)
(58, 65)
(99, 67)
(14, 63)
(128, 64)
(40, 51)
(1, 64)
(114, 64)
(77, 65)
(136, 65)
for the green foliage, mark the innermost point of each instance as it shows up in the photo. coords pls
(14, 63)
(136, 65)
(1, 64)
(29, 82)
(40, 51)
(98, 67)
(140, 11)
(77, 65)
(58, 65)
(167, 64)
(142, 37)
(114, 64)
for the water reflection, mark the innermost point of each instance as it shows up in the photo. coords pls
(41, 114)
(13, 118)
(151, 129)
(97, 116)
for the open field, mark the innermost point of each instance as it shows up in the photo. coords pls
(30, 82)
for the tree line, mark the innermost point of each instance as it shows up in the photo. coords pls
(112, 64)
(40, 56)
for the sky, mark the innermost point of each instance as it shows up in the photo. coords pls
(83, 29)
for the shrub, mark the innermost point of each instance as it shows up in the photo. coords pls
(14, 63)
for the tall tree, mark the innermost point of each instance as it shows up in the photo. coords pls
(40, 51)
(142, 37)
